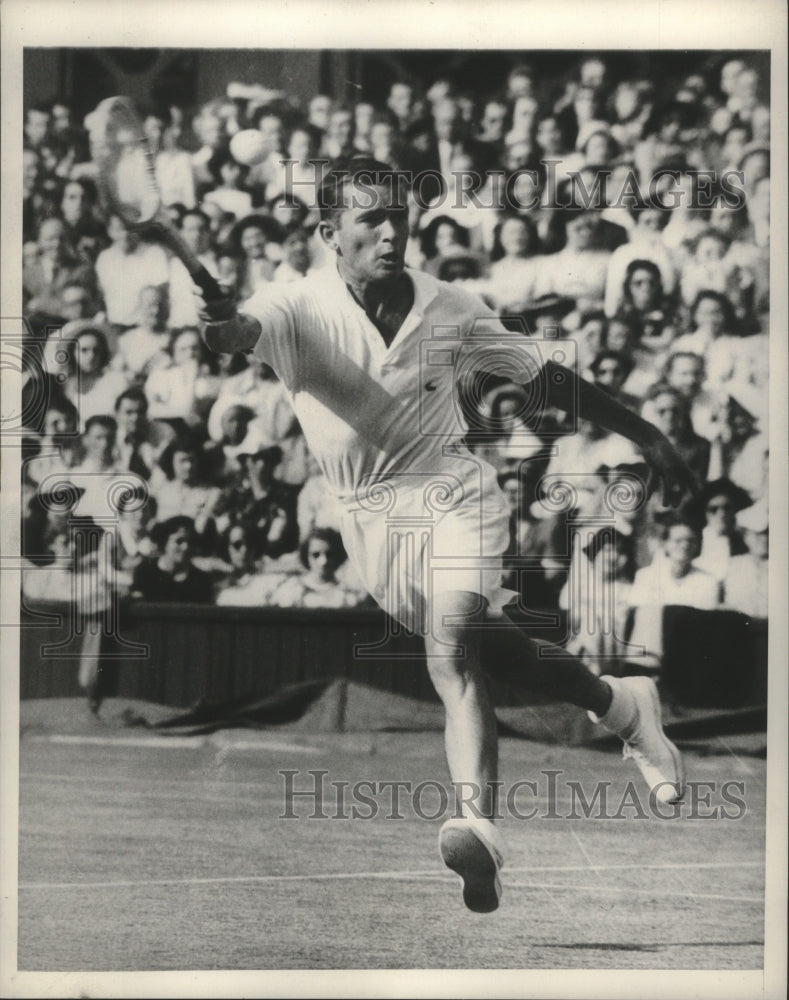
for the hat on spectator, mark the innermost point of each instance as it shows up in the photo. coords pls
(257, 442)
(754, 518)
(587, 130)
(748, 398)
(740, 499)
(555, 305)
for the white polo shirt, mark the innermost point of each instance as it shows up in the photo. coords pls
(421, 514)
(368, 410)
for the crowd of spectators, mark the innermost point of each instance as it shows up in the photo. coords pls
(666, 308)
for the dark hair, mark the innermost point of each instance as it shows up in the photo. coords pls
(729, 320)
(332, 538)
(249, 535)
(622, 543)
(135, 395)
(668, 366)
(351, 169)
(641, 265)
(176, 445)
(428, 237)
(101, 340)
(625, 363)
(497, 251)
(219, 158)
(88, 188)
(101, 420)
(163, 530)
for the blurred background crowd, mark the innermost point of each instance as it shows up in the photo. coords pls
(667, 309)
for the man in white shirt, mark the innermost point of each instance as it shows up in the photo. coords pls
(368, 353)
(671, 579)
(124, 269)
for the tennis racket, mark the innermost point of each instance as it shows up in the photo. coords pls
(127, 183)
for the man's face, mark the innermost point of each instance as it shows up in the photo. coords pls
(643, 289)
(581, 232)
(73, 202)
(320, 110)
(130, 416)
(341, 127)
(369, 235)
(593, 73)
(399, 101)
(685, 376)
(493, 121)
(667, 414)
(74, 303)
(446, 116)
(549, 136)
(36, 127)
(50, 237)
(682, 546)
(253, 242)
(29, 169)
(271, 129)
(194, 231)
(720, 514)
(178, 547)
(99, 442)
(609, 375)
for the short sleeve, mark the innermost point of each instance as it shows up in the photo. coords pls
(278, 310)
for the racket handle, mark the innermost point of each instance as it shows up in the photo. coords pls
(209, 286)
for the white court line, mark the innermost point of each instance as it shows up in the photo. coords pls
(678, 893)
(173, 742)
(426, 874)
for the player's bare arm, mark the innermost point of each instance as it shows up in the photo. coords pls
(668, 472)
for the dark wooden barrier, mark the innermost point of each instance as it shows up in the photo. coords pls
(179, 654)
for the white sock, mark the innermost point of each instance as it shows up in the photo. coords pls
(622, 713)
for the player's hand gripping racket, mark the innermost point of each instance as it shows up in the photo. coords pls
(127, 185)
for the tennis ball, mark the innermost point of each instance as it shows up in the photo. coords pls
(248, 147)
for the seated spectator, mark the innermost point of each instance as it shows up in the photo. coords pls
(54, 266)
(579, 270)
(741, 448)
(223, 455)
(668, 411)
(745, 586)
(186, 388)
(91, 385)
(255, 497)
(671, 579)
(258, 388)
(229, 178)
(644, 301)
(684, 372)
(597, 598)
(95, 474)
(174, 173)
(195, 229)
(237, 547)
(510, 440)
(296, 258)
(256, 236)
(209, 129)
(76, 210)
(321, 554)
(143, 348)
(441, 239)
(132, 540)
(645, 243)
(719, 501)
(133, 450)
(610, 371)
(58, 443)
(710, 268)
(72, 575)
(171, 576)
(714, 335)
(510, 284)
(589, 331)
(124, 269)
(301, 177)
(185, 490)
(76, 302)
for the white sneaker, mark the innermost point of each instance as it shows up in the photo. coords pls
(635, 716)
(475, 851)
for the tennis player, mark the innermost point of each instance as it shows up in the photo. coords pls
(425, 523)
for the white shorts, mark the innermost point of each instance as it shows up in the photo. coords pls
(414, 535)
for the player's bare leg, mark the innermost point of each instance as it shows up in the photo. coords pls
(471, 845)
(628, 707)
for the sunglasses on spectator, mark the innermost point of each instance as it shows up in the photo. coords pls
(238, 543)
(718, 508)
